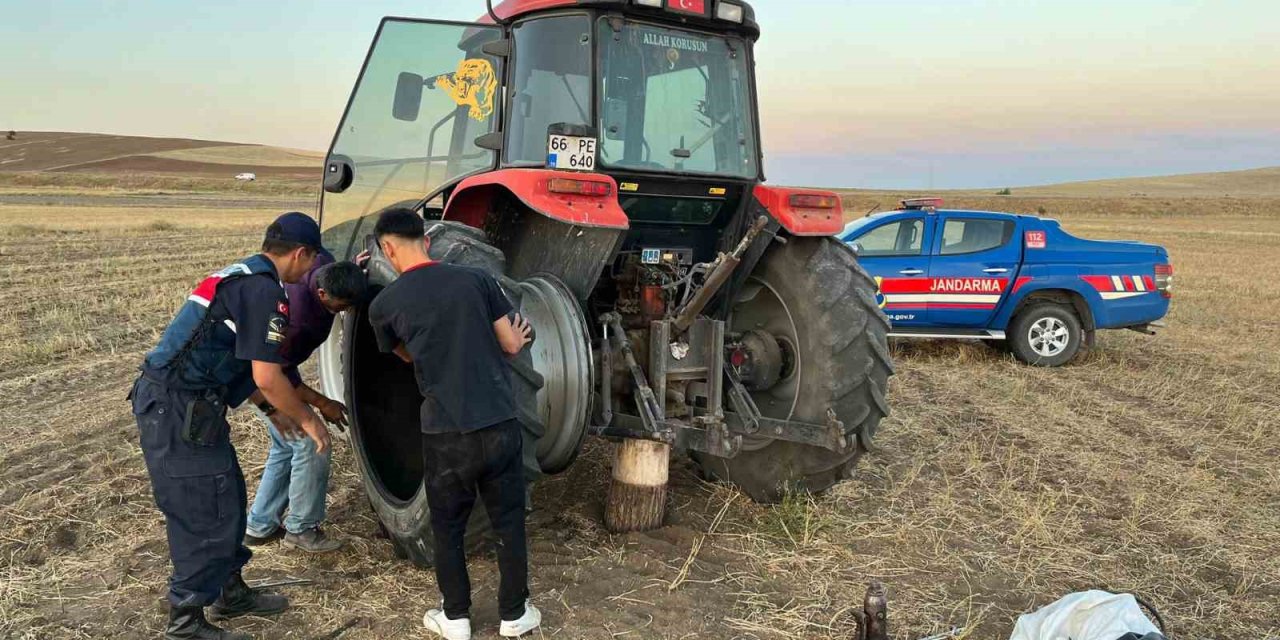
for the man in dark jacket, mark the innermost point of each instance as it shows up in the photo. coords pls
(223, 343)
(296, 477)
(452, 323)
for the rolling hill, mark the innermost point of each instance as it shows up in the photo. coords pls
(63, 152)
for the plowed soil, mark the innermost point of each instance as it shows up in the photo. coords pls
(995, 488)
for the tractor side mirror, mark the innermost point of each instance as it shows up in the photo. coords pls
(615, 118)
(408, 99)
(339, 173)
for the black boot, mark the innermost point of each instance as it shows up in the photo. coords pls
(188, 623)
(238, 599)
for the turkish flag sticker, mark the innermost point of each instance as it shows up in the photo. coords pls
(689, 6)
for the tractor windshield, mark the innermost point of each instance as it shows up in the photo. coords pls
(675, 101)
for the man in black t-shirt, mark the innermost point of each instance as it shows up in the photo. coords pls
(451, 322)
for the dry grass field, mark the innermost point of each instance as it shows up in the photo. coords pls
(996, 488)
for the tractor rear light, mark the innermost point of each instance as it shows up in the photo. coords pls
(729, 11)
(580, 187)
(813, 201)
(1164, 280)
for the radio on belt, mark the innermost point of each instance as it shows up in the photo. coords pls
(571, 147)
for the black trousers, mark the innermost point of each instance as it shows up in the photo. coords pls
(457, 466)
(200, 490)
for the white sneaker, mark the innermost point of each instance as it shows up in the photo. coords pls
(438, 623)
(527, 622)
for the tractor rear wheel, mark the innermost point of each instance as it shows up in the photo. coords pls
(818, 304)
(551, 380)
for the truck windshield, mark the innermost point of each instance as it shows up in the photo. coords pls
(673, 100)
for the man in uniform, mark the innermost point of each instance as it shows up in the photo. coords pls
(223, 343)
(295, 476)
(451, 323)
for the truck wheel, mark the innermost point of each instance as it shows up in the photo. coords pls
(819, 306)
(1046, 334)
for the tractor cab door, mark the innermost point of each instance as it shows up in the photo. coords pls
(417, 120)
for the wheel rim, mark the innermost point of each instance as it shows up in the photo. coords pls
(332, 381)
(760, 307)
(561, 353)
(1048, 337)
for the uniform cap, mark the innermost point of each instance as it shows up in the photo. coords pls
(296, 227)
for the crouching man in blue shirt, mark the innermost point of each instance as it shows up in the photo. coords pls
(296, 476)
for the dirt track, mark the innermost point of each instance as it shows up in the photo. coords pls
(996, 488)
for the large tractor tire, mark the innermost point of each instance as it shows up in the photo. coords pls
(819, 305)
(384, 398)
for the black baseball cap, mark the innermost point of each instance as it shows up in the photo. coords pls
(296, 227)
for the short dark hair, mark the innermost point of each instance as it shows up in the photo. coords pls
(344, 281)
(401, 222)
(273, 246)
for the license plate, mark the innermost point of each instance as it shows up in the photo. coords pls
(575, 153)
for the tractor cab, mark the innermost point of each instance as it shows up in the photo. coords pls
(659, 92)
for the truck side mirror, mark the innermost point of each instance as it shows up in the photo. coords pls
(408, 99)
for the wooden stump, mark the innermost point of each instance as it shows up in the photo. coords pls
(638, 492)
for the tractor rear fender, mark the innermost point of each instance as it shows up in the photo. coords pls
(472, 200)
(570, 236)
(798, 220)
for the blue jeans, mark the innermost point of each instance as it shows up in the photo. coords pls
(294, 477)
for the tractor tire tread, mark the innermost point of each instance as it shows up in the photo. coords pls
(851, 341)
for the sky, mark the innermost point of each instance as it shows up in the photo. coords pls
(874, 93)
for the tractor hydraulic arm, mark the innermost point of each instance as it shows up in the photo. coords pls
(651, 411)
(724, 267)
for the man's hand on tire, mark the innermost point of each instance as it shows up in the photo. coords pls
(522, 328)
(333, 411)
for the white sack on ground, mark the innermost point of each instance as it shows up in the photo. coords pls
(1087, 615)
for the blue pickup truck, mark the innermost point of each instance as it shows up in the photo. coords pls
(1019, 280)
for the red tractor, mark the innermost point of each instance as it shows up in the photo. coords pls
(602, 158)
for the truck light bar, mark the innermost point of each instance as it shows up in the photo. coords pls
(812, 201)
(922, 203)
(580, 187)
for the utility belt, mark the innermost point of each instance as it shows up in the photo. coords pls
(204, 417)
